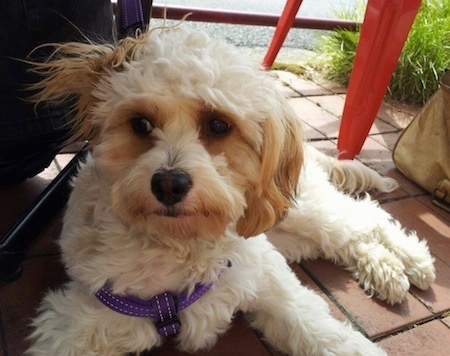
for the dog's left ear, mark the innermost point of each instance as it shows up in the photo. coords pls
(281, 163)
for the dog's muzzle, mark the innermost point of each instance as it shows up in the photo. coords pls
(170, 186)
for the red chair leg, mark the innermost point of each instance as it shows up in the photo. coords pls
(384, 31)
(284, 24)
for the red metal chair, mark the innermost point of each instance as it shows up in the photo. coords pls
(384, 31)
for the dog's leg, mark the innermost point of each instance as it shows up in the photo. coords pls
(350, 176)
(72, 322)
(292, 317)
(207, 318)
(357, 234)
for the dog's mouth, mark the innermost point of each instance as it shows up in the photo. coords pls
(181, 222)
(172, 212)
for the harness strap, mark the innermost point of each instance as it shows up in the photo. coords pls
(132, 14)
(166, 308)
(163, 307)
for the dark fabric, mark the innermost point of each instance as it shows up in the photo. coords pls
(29, 140)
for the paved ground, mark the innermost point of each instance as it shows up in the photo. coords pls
(258, 36)
(419, 326)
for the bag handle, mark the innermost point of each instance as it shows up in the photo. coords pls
(441, 194)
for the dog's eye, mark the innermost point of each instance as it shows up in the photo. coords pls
(218, 127)
(141, 125)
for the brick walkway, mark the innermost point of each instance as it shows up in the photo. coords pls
(418, 326)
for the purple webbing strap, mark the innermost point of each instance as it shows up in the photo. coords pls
(163, 307)
(184, 301)
(166, 309)
(126, 304)
(131, 13)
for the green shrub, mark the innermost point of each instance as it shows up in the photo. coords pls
(424, 59)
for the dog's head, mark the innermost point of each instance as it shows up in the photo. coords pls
(187, 136)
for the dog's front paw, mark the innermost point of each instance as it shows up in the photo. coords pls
(419, 264)
(413, 253)
(389, 264)
(381, 273)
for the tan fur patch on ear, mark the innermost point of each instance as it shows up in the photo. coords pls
(282, 160)
(69, 76)
(71, 73)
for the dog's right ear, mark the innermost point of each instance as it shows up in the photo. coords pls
(68, 77)
(71, 74)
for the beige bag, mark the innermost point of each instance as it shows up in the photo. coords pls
(422, 152)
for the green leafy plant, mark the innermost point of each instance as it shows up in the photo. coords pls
(424, 59)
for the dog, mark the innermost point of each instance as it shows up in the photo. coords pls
(197, 190)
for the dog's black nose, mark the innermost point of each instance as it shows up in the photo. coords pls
(170, 186)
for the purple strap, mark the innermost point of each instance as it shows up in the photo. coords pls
(131, 13)
(163, 307)
(167, 321)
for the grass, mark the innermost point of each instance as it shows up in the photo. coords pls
(290, 67)
(424, 59)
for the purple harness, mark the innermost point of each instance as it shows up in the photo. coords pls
(132, 14)
(163, 307)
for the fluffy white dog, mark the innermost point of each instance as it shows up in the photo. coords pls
(193, 151)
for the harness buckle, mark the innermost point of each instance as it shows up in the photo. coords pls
(168, 327)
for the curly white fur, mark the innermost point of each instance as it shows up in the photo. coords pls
(175, 100)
